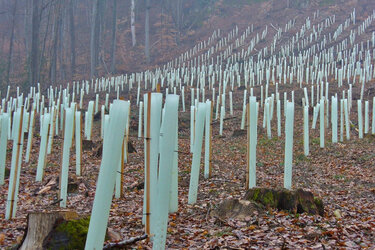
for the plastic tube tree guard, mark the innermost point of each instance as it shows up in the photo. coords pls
(15, 171)
(111, 155)
(197, 151)
(68, 134)
(252, 124)
(288, 162)
(43, 147)
(167, 148)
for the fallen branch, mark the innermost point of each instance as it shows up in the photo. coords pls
(125, 242)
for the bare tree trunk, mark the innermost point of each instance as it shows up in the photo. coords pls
(147, 32)
(72, 39)
(56, 33)
(11, 41)
(179, 9)
(62, 25)
(45, 39)
(27, 29)
(114, 30)
(93, 39)
(132, 22)
(35, 43)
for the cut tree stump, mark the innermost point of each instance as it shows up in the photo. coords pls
(257, 200)
(294, 201)
(59, 230)
(39, 226)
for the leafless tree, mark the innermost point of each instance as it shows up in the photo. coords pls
(11, 40)
(147, 32)
(114, 31)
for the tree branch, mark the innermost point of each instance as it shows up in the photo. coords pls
(125, 242)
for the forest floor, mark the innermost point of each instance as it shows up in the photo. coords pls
(341, 174)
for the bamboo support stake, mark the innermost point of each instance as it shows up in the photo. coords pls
(140, 119)
(278, 114)
(148, 156)
(247, 144)
(367, 123)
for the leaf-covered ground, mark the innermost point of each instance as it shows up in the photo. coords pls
(342, 174)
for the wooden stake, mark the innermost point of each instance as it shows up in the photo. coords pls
(247, 145)
(148, 172)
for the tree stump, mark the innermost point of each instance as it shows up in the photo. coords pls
(295, 201)
(258, 200)
(39, 226)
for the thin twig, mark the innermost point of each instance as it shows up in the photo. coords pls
(125, 242)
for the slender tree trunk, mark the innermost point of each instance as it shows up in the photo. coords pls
(27, 29)
(61, 38)
(11, 41)
(179, 9)
(72, 39)
(114, 31)
(132, 18)
(35, 23)
(93, 39)
(147, 32)
(56, 33)
(42, 53)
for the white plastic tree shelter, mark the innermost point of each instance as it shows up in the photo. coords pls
(173, 202)
(360, 119)
(15, 171)
(197, 151)
(4, 120)
(208, 140)
(30, 135)
(43, 147)
(152, 119)
(321, 122)
(288, 160)
(252, 140)
(68, 135)
(334, 119)
(78, 146)
(106, 181)
(306, 130)
(167, 148)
